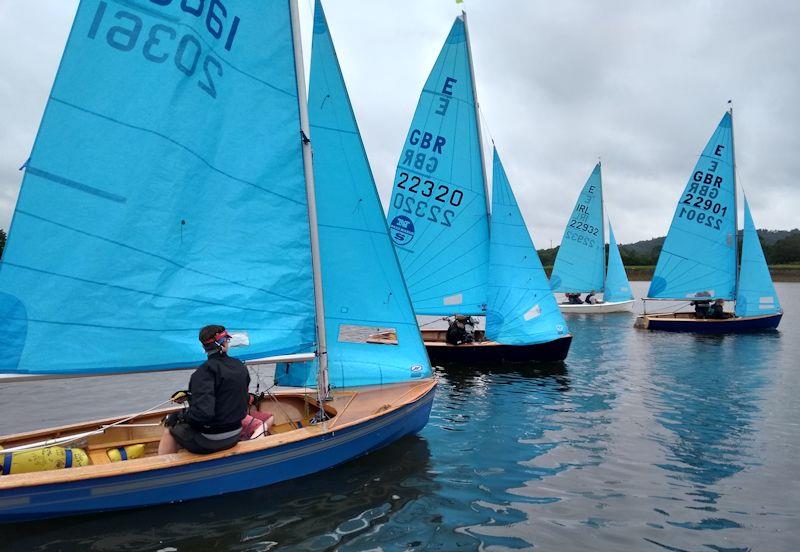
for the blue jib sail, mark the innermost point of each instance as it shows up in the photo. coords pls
(438, 214)
(521, 309)
(580, 263)
(165, 191)
(699, 255)
(617, 286)
(756, 294)
(363, 289)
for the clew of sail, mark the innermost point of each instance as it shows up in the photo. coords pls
(521, 309)
(363, 285)
(580, 262)
(438, 215)
(617, 286)
(158, 199)
(699, 254)
(756, 294)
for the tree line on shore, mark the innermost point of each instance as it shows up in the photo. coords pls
(780, 247)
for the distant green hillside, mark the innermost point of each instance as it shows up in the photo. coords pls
(780, 247)
(2, 241)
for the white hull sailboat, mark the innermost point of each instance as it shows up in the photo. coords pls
(580, 265)
(245, 231)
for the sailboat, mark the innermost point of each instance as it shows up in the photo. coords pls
(453, 262)
(580, 265)
(698, 262)
(161, 196)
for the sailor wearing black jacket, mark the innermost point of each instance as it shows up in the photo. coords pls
(219, 400)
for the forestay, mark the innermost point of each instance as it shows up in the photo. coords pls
(580, 263)
(438, 215)
(165, 191)
(521, 308)
(362, 283)
(699, 254)
(617, 286)
(756, 293)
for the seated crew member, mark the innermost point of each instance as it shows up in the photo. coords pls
(218, 401)
(701, 308)
(574, 298)
(461, 330)
(590, 298)
(717, 310)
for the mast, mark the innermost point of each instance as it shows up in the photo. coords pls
(603, 226)
(735, 213)
(323, 387)
(477, 116)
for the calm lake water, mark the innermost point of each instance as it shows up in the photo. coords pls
(639, 441)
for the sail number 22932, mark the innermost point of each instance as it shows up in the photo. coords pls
(126, 31)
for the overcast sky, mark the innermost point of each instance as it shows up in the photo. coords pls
(641, 84)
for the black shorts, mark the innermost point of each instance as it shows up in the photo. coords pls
(194, 441)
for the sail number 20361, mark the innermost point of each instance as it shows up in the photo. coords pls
(160, 42)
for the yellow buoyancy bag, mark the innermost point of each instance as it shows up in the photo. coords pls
(43, 459)
(125, 453)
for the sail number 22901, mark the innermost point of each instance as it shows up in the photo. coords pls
(160, 42)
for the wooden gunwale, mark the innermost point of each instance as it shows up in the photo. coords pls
(373, 407)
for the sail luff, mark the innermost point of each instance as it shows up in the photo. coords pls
(323, 388)
(477, 119)
(736, 270)
(603, 225)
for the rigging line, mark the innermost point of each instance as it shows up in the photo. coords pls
(79, 436)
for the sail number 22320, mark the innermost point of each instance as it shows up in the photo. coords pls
(158, 43)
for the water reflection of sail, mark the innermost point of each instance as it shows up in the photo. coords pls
(709, 409)
(337, 506)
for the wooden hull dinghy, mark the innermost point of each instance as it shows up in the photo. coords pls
(603, 307)
(688, 322)
(360, 420)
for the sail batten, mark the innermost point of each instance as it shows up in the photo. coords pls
(438, 216)
(698, 258)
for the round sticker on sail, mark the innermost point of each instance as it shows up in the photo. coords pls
(402, 229)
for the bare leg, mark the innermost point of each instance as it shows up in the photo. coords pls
(168, 444)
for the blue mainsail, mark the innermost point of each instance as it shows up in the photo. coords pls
(438, 216)
(617, 286)
(580, 263)
(699, 254)
(165, 191)
(756, 294)
(362, 283)
(521, 309)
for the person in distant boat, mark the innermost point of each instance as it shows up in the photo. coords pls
(590, 298)
(574, 298)
(218, 401)
(461, 330)
(701, 307)
(717, 310)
